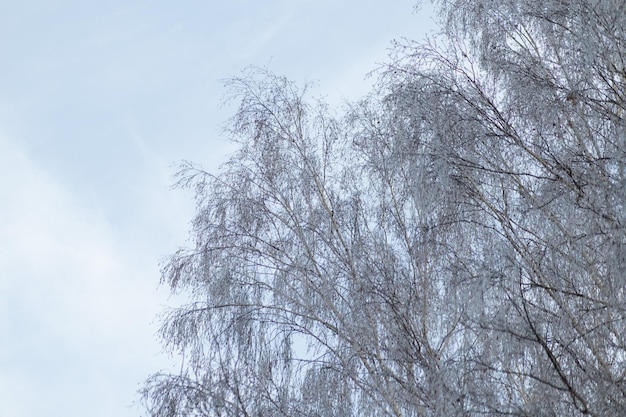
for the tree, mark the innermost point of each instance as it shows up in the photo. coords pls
(454, 245)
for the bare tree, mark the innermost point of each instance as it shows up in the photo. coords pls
(525, 104)
(454, 245)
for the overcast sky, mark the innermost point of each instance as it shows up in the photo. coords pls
(98, 99)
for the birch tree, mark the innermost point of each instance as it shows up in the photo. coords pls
(525, 102)
(451, 245)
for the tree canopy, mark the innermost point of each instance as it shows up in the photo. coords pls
(451, 245)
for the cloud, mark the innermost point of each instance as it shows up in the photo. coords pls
(75, 312)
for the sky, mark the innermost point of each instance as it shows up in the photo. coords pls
(99, 100)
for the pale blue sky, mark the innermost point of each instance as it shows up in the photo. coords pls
(97, 100)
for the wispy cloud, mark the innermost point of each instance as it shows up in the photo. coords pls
(75, 313)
